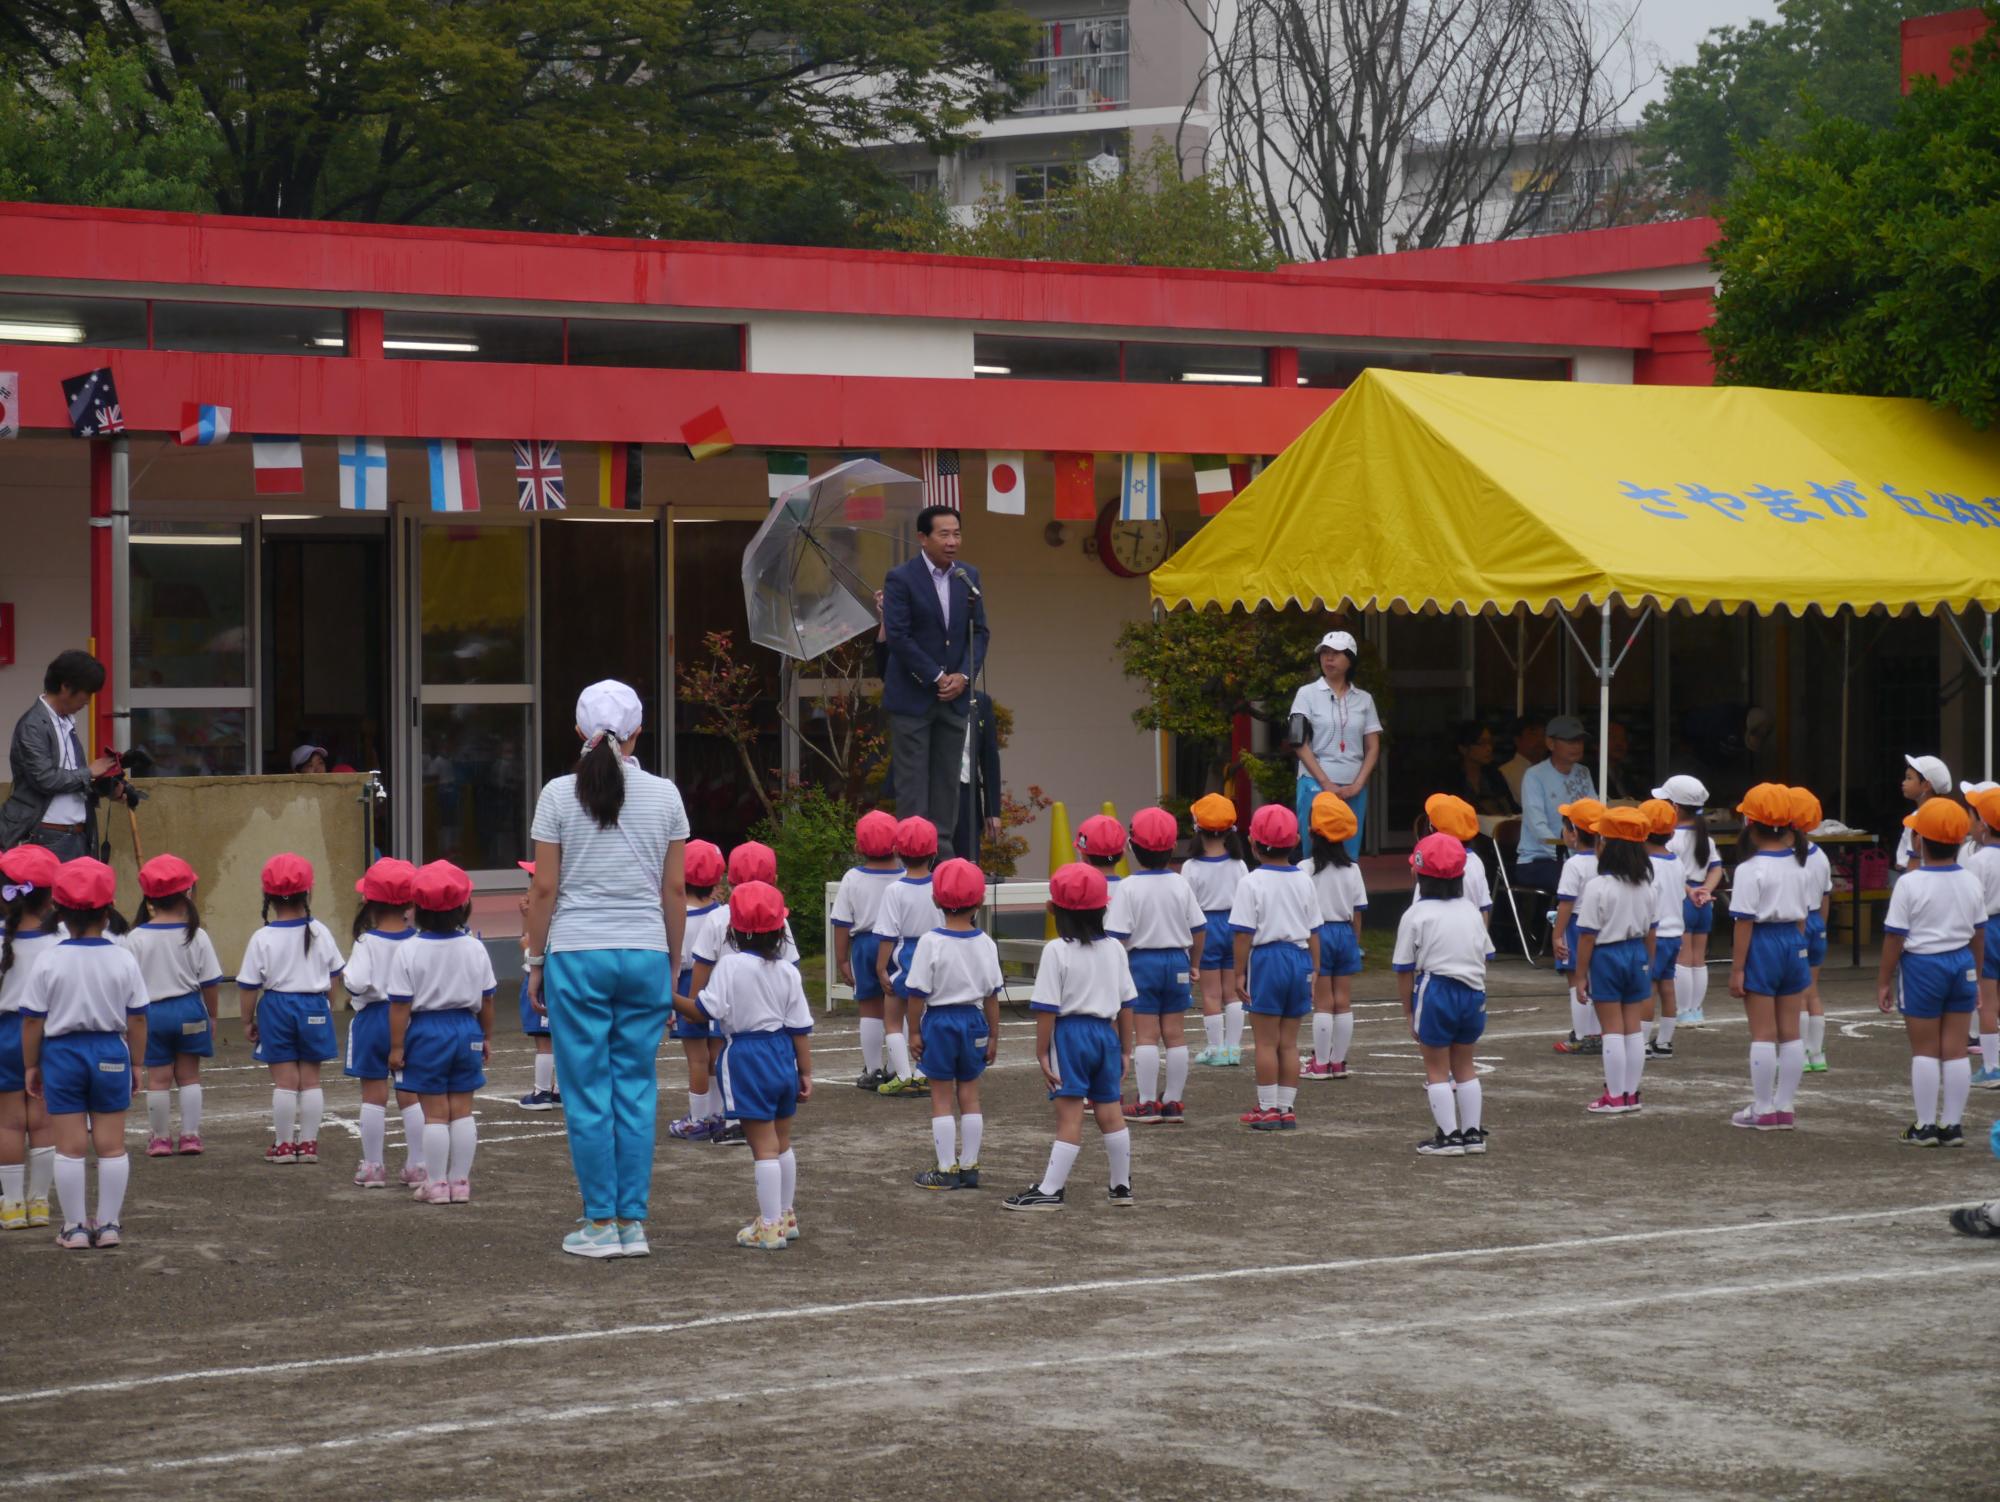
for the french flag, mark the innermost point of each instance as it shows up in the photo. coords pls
(201, 423)
(454, 475)
(280, 465)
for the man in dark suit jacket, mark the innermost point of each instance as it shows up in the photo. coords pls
(979, 794)
(54, 802)
(931, 612)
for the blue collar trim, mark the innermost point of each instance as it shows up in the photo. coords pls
(957, 933)
(916, 881)
(88, 943)
(424, 933)
(393, 938)
(1942, 870)
(288, 923)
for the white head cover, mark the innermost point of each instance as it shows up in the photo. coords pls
(1969, 788)
(1933, 771)
(1338, 641)
(608, 708)
(1682, 789)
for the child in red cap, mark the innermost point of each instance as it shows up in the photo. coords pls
(1100, 842)
(1214, 872)
(381, 926)
(1276, 918)
(707, 929)
(1162, 925)
(907, 913)
(855, 941)
(441, 1028)
(183, 977)
(1083, 1036)
(954, 985)
(83, 1026)
(288, 968)
(27, 1143)
(1440, 962)
(766, 1066)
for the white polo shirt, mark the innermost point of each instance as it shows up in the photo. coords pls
(1819, 877)
(1985, 865)
(1681, 843)
(86, 986)
(707, 932)
(1616, 910)
(172, 963)
(1576, 874)
(1770, 887)
(1341, 724)
(1478, 890)
(441, 973)
(279, 958)
(859, 896)
(1342, 893)
(367, 974)
(955, 967)
(1083, 980)
(1154, 910)
(1444, 936)
(31, 947)
(1214, 879)
(908, 910)
(1936, 909)
(715, 941)
(746, 994)
(1276, 905)
(1669, 891)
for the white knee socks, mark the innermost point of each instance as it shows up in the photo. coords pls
(159, 1110)
(1635, 1059)
(1232, 1025)
(70, 1191)
(1343, 1036)
(284, 1115)
(1582, 1019)
(1957, 1085)
(1062, 1158)
(312, 1107)
(944, 1139)
(871, 1044)
(464, 1144)
(1614, 1066)
(1471, 1101)
(374, 1128)
(971, 1133)
(1764, 1077)
(437, 1151)
(112, 1176)
(1118, 1148)
(1177, 1073)
(191, 1110)
(413, 1135)
(1791, 1069)
(899, 1055)
(1146, 1070)
(1925, 1075)
(1322, 1037)
(11, 1176)
(41, 1170)
(788, 1178)
(1444, 1108)
(770, 1176)
(545, 1071)
(1989, 1050)
(1211, 1031)
(1663, 1032)
(1814, 1029)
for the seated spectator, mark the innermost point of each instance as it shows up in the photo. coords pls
(1477, 780)
(1530, 746)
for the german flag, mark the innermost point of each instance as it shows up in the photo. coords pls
(619, 476)
(707, 435)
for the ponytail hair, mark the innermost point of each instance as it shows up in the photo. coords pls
(33, 903)
(304, 900)
(1697, 824)
(1625, 860)
(186, 900)
(1800, 846)
(369, 916)
(600, 783)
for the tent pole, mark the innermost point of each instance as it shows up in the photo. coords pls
(1846, 647)
(1986, 671)
(1604, 700)
(1521, 667)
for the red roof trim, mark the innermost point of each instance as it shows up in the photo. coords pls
(1543, 258)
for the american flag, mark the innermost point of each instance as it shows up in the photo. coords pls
(941, 477)
(538, 469)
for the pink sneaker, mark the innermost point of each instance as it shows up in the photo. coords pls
(1747, 1117)
(1632, 1101)
(1337, 1070)
(188, 1144)
(414, 1174)
(1781, 1121)
(281, 1154)
(460, 1191)
(1312, 1069)
(1608, 1104)
(159, 1147)
(306, 1152)
(438, 1193)
(371, 1176)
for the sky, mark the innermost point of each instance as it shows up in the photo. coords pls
(1675, 26)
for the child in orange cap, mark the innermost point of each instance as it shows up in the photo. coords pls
(183, 976)
(1615, 920)
(1579, 833)
(855, 941)
(1660, 1015)
(1985, 865)
(1213, 873)
(707, 929)
(908, 912)
(1440, 962)
(1768, 970)
(1806, 817)
(1343, 898)
(1276, 918)
(288, 968)
(1935, 926)
(1162, 925)
(954, 989)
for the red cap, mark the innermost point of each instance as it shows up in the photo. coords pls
(166, 876)
(389, 881)
(1080, 888)
(752, 861)
(1440, 855)
(875, 834)
(1155, 829)
(30, 866)
(756, 907)
(1275, 827)
(528, 866)
(441, 887)
(958, 883)
(1100, 834)
(85, 884)
(701, 863)
(916, 838)
(287, 875)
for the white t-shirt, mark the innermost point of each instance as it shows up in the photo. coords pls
(1444, 936)
(277, 958)
(173, 965)
(86, 986)
(715, 941)
(1985, 865)
(1819, 877)
(1214, 879)
(1616, 910)
(859, 896)
(1936, 909)
(955, 967)
(747, 994)
(367, 974)
(1276, 905)
(1154, 910)
(707, 932)
(1576, 874)
(1340, 725)
(66, 808)
(441, 973)
(30, 949)
(1681, 843)
(1478, 890)
(1769, 887)
(1669, 891)
(608, 891)
(1341, 891)
(908, 911)
(1083, 980)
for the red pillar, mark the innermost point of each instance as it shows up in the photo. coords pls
(102, 647)
(1239, 789)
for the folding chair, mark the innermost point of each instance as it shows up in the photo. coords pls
(1538, 901)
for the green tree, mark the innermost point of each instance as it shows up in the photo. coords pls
(1764, 81)
(1867, 260)
(708, 118)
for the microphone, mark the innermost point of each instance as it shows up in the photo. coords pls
(958, 572)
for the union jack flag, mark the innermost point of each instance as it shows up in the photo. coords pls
(539, 471)
(941, 477)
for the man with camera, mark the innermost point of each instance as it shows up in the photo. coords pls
(55, 796)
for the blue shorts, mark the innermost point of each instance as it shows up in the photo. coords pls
(443, 1054)
(13, 1068)
(1447, 1011)
(1666, 955)
(294, 1027)
(1161, 978)
(86, 1072)
(1218, 942)
(760, 1077)
(683, 1029)
(1280, 980)
(1568, 966)
(862, 949)
(1697, 920)
(178, 1025)
(1089, 1061)
(1339, 949)
(368, 1043)
(906, 950)
(1815, 940)
(533, 1023)
(954, 1043)
(1776, 964)
(1618, 972)
(1989, 958)
(1934, 984)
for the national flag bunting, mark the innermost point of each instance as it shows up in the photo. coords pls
(10, 404)
(203, 424)
(620, 476)
(279, 465)
(707, 435)
(1076, 487)
(784, 469)
(92, 399)
(364, 474)
(1139, 494)
(1220, 479)
(1006, 484)
(941, 477)
(538, 471)
(454, 475)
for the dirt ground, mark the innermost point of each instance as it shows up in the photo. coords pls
(1653, 1306)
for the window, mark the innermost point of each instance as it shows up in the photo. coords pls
(1001, 356)
(1083, 63)
(248, 329)
(1033, 181)
(1195, 364)
(190, 655)
(472, 336)
(656, 344)
(1341, 368)
(57, 318)
(918, 182)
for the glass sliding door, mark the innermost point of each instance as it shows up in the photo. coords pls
(191, 640)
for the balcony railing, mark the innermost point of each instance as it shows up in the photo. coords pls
(1079, 85)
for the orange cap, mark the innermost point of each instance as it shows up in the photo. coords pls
(1806, 812)
(1214, 813)
(1623, 824)
(1661, 816)
(1987, 806)
(1584, 813)
(1332, 819)
(1452, 815)
(1940, 819)
(1768, 803)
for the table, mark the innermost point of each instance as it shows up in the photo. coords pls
(1855, 841)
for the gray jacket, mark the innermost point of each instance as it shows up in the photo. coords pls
(36, 753)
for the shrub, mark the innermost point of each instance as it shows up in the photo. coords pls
(813, 835)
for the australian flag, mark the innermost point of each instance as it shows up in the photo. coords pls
(93, 404)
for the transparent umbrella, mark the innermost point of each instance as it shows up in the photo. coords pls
(811, 572)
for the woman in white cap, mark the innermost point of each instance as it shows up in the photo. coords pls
(605, 914)
(1340, 737)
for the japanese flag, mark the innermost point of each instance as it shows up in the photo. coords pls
(10, 404)
(1006, 485)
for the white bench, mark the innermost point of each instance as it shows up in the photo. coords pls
(1004, 896)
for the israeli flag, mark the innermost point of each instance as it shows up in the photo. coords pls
(1140, 493)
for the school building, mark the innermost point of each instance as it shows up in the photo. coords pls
(445, 649)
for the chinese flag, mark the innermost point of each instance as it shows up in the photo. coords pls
(1076, 487)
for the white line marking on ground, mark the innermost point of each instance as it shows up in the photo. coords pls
(941, 1300)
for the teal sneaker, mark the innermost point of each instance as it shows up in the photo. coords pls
(590, 1240)
(1987, 1079)
(1816, 1064)
(632, 1239)
(1215, 1058)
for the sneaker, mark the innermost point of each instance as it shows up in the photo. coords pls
(594, 1241)
(306, 1152)
(1951, 1136)
(188, 1144)
(1214, 1058)
(871, 1079)
(1695, 1018)
(763, 1236)
(1142, 1113)
(790, 1225)
(968, 1175)
(371, 1176)
(1573, 1044)
(1337, 1070)
(1312, 1069)
(1608, 1104)
(537, 1100)
(38, 1212)
(1288, 1120)
(691, 1129)
(1984, 1079)
(74, 1238)
(159, 1147)
(1235, 1057)
(105, 1237)
(1973, 1221)
(1664, 1051)
(907, 1084)
(13, 1215)
(555, 1100)
(1474, 1139)
(1263, 1119)
(1172, 1113)
(730, 1134)
(1032, 1198)
(1633, 1102)
(1120, 1196)
(460, 1191)
(1438, 1145)
(1781, 1121)
(1746, 1118)
(436, 1192)
(1919, 1136)
(414, 1174)
(938, 1178)
(281, 1153)
(1816, 1064)
(632, 1239)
